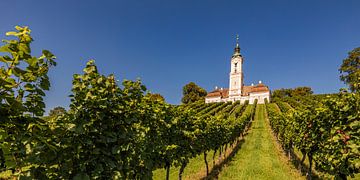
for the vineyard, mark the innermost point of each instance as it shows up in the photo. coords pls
(114, 131)
(323, 129)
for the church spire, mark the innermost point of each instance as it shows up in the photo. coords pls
(237, 48)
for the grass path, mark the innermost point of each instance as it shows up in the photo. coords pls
(195, 165)
(259, 156)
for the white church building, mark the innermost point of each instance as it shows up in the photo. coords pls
(237, 91)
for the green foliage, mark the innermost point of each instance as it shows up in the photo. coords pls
(143, 133)
(57, 111)
(350, 70)
(192, 93)
(340, 153)
(119, 132)
(327, 131)
(281, 93)
(23, 76)
(302, 91)
(123, 132)
(101, 120)
(23, 83)
(298, 91)
(156, 97)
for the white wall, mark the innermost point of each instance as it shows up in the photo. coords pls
(260, 96)
(235, 79)
(213, 99)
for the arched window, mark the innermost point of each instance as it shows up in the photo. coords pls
(235, 67)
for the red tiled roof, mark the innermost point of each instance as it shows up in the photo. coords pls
(256, 88)
(224, 93)
(246, 90)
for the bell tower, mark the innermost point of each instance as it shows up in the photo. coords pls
(236, 73)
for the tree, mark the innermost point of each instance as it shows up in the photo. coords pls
(193, 93)
(298, 91)
(57, 111)
(350, 70)
(301, 91)
(281, 93)
(156, 97)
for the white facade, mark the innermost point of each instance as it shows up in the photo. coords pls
(237, 91)
(236, 76)
(260, 96)
(213, 99)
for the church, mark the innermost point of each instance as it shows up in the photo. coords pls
(237, 91)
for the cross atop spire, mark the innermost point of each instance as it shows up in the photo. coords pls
(237, 40)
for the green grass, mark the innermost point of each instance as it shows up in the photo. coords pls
(194, 170)
(259, 156)
(195, 165)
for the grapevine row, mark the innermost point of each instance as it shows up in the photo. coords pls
(119, 132)
(327, 132)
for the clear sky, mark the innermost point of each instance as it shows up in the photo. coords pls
(285, 43)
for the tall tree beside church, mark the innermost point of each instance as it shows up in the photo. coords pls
(350, 70)
(57, 111)
(298, 91)
(281, 93)
(156, 97)
(302, 91)
(192, 93)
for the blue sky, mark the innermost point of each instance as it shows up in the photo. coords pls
(285, 43)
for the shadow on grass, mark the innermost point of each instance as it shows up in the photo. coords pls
(295, 158)
(296, 161)
(215, 171)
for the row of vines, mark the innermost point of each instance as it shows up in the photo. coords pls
(111, 131)
(325, 129)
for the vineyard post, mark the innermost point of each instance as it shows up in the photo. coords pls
(182, 168)
(2, 160)
(167, 166)
(310, 165)
(341, 176)
(213, 158)
(302, 160)
(220, 153)
(290, 150)
(206, 163)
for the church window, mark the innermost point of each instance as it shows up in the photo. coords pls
(235, 67)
